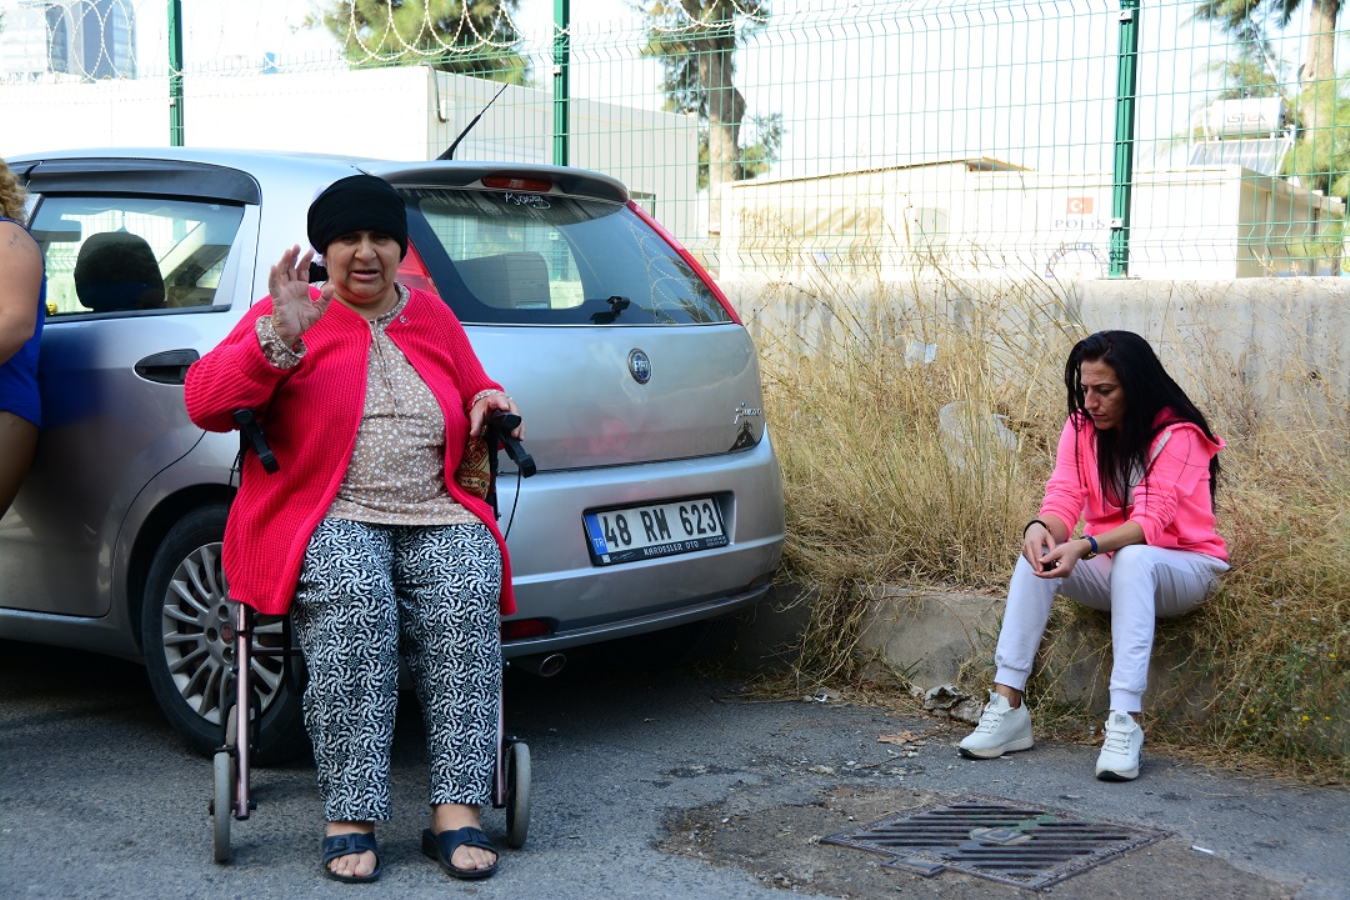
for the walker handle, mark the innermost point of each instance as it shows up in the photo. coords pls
(500, 424)
(251, 435)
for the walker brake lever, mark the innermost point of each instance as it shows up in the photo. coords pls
(501, 424)
(251, 431)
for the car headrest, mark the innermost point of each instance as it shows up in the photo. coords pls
(509, 280)
(117, 270)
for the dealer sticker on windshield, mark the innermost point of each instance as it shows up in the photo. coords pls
(659, 529)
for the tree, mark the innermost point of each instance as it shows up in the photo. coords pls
(1322, 156)
(1257, 71)
(1317, 75)
(695, 41)
(1320, 159)
(1236, 15)
(471, 37)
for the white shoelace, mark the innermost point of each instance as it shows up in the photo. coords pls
(1117, 738)
(990, 719)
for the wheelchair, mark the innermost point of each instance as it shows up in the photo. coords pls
(232, 799)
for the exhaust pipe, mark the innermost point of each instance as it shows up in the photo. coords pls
(545, 665)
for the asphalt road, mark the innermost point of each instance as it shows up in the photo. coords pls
(644, 786)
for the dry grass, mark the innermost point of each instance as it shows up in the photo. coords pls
(878, 493)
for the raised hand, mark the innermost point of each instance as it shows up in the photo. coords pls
(293, 312)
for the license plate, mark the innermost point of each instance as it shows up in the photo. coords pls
(658, 529)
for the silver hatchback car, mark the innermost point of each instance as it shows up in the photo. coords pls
(657, 506)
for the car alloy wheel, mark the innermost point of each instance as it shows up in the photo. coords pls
(187, 636)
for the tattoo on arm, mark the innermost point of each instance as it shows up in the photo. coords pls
(21, 240)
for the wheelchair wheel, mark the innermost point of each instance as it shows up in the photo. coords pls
(222, 806)
(517, 794)
(225, 769)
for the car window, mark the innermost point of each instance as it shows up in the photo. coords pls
(503, 257)
(132, 255)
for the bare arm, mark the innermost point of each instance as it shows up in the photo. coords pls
(20, 286)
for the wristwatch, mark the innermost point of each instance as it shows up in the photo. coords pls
(1092, 542)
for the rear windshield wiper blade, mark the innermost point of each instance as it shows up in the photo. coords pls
(617, 305)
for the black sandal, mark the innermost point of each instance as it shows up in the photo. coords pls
(441, 847)
(345, 845)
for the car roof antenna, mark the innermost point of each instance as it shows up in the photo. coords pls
(450, 152)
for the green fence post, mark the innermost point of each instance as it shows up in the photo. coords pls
(175, 73)
(562, 15)
(1123, 169)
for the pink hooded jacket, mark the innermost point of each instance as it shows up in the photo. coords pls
(1171, 502)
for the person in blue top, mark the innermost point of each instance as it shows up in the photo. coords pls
(23, 301)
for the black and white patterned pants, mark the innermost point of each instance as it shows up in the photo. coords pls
(365, 593)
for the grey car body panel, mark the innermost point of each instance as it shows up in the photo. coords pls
(106, 433)
(585, 409)
(600, 438)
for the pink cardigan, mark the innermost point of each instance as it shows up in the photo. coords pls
(1172, 503)
(311, 413)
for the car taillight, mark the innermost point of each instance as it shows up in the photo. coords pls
(516, 629)
(689, 258)
(412, 272)
(518, 183)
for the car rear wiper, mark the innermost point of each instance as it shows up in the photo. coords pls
(617, 305)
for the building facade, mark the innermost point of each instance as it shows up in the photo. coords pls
(58, 40)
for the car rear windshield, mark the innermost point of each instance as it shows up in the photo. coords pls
(533, 259)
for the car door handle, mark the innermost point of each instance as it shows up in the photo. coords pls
(168, 367)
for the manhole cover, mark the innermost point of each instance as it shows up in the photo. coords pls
(1030, 847)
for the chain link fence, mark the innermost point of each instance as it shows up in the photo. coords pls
(1055, 139)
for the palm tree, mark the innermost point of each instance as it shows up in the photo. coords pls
(1320, 64)
(695, 41)
(1322, 156)
(1240, 17)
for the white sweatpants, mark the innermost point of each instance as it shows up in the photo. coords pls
(1136, 585)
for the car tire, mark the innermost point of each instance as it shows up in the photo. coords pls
(188, 658)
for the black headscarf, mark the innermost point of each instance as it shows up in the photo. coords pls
(358, 203)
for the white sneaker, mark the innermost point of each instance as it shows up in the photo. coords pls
(1002, 729)
(1123, 750)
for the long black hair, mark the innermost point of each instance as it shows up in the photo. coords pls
(1149, 391)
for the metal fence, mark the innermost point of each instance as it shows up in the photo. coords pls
(1064, 138)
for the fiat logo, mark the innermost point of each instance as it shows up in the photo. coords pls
(640, 366)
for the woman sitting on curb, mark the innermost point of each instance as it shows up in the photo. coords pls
(1137, 461)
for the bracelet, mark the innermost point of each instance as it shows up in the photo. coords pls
(1092, 542)
(490, 392)
(1034, 522)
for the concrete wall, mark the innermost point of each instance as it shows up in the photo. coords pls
(1276, 340)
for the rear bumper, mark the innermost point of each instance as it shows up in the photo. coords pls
(583, 603)
(577, 637)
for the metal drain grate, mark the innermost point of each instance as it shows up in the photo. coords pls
(996, 839)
